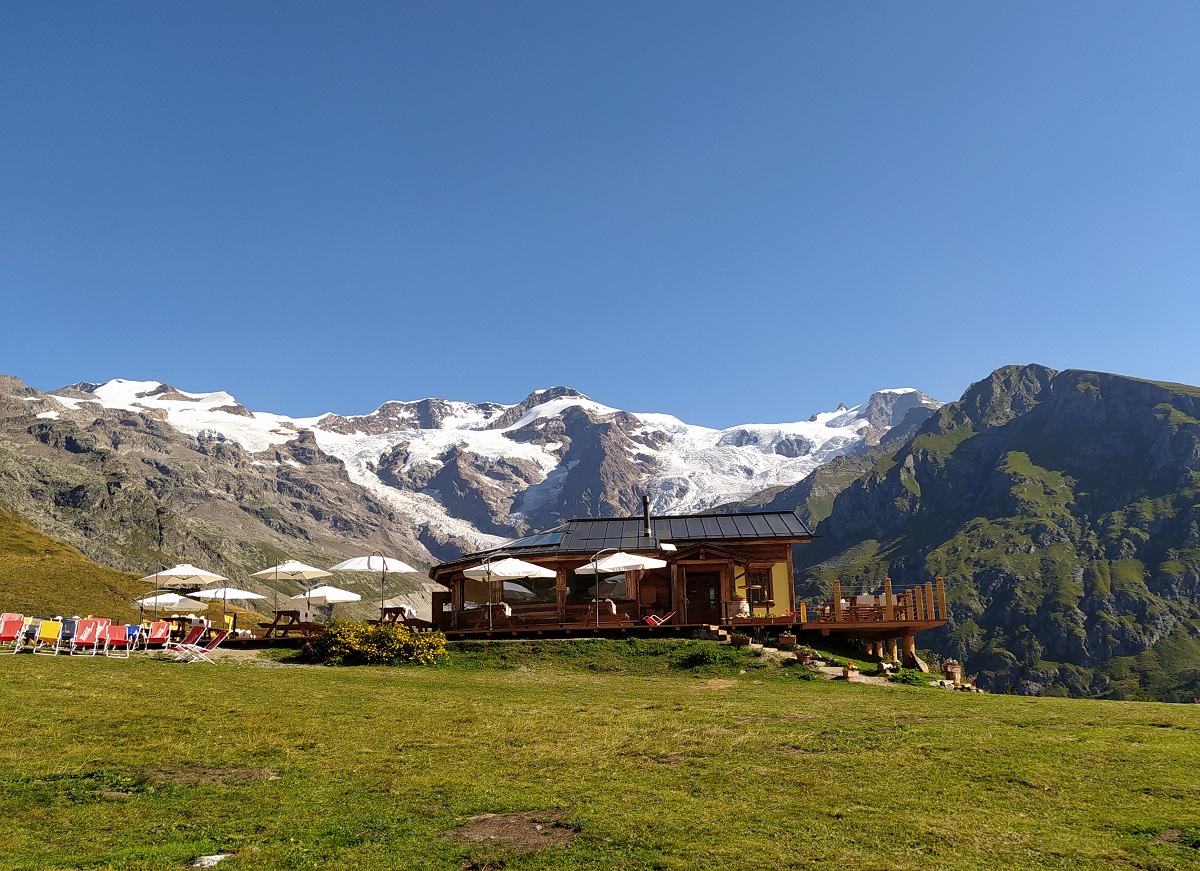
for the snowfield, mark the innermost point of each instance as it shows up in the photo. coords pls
(691, 468)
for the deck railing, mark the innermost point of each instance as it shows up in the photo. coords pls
(921, 603)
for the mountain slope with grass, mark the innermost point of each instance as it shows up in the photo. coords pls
(39, 575)
(1063, 510)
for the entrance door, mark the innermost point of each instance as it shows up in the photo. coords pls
(703, 592)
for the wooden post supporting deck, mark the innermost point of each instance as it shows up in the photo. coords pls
(892, 651)
(929, 615)
(941, 598)
(837, 601)
(560, 594)
(910, 651)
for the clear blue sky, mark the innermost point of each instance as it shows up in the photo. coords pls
(732, 212)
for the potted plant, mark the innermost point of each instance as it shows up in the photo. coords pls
(787, 640)
(849, 669)
(737, 639)
(740, 607)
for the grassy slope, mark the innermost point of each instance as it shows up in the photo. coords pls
(145, 765)
(39, 575)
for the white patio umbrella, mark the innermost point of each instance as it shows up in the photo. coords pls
(184, 575)
(174, 601)
(508, 569)
(225, 594)
(377, 563)
(620, 562)
(615, 563)
(290, 571)
(327, 595)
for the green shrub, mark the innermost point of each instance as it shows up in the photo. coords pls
(911, 677)
(348, 643)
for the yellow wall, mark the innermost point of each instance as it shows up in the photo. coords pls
(780, 582)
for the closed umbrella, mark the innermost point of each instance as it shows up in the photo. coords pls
(377, 563)
(290, 571)
(508, 569)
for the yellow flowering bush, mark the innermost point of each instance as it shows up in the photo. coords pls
(348, 643)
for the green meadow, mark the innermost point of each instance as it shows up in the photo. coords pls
(596, 757)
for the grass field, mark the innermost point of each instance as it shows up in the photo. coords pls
(147, 764)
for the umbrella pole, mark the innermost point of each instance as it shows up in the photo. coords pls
(155, 595)
(276, 589)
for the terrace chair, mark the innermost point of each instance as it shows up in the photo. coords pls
(9, 615)
(189, 641)
(198, 653)
(12, 632)
(656, 621)
(117, 640)
(83, 642)
(157, 636)
(49, 638)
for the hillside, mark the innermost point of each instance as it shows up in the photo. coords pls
(1063, 510)
(39, 575)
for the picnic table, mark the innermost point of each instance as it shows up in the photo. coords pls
(286, 622)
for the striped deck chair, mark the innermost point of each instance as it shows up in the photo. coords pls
(117, 643)
(12, 632)
(49, 637)
(157, 636)
(9, 615)
(656, 621)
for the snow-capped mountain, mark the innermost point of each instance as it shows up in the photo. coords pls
(470, 475)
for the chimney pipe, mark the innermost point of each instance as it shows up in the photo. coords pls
(648, 532)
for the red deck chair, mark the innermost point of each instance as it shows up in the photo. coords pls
(12, 630)
(83, 642)
(158, 635)
(117, 642)
(182, 647)
(198, 653)
(655, 620)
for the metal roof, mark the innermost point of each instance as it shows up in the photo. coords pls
(588, 536)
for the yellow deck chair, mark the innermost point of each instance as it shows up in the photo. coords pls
(49, 637)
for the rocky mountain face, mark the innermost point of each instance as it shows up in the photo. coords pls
(1063, 510)
(137, 474)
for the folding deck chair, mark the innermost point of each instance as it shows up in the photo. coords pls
(49, 638)
(189, 641)
(12, 631)
(83, 642)
(656, 621)
(157, 636)
(117, 643)
(199, 653)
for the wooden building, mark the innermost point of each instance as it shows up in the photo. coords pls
(723, 572)
(718, 566)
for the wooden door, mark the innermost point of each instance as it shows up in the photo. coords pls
(703, 591)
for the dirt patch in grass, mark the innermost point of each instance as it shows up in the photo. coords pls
(719, 683)
(521, 833)
(200, 775)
